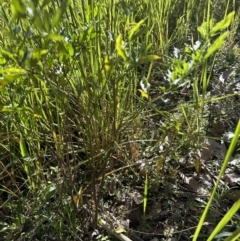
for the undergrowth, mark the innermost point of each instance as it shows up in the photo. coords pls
(90, 92)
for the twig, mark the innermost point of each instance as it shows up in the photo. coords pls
(120, 236)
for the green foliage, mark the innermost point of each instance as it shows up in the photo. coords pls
(197, 54)
(66, 76)
(70, 73)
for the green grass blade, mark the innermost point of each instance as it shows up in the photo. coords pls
(225, 220)
(223, 168)
(145, 194)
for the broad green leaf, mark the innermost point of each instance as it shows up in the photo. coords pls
(18, 5)
(55, 37)
(197, 56)
(147, 59)
(135, 29)
(202, 31)
(218, 43)
(37, 54)
(223, 24)
(70, 49)
(119, 47)
(4, 4)
(49, 191)
(10, 109)
(13, 71)
(187, 50)
(205, 28)
(6, 79)
(183, 68)
(9, 75)
(2, 60)
(18, 9)
(139, 33)
(107, 64)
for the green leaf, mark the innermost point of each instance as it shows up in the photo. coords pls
(145, 194)
(147, 59)
(225, 220)
(134, 30)
(9, 55)
(187, 50)
(139, 33)
(70, 49)
(119, 47)
(149, 46)
(218, 43)
(6, 79)
(204, 28)
(23, 147)
(223, 24)
(108, 66)
(55, 37)
(13, 71)
(49, 192)
(2, 60)
(197, 56)
(38, 53)
(18, 9)
(10, 109)
(9, 75)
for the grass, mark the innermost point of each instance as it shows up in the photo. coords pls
(78, 113)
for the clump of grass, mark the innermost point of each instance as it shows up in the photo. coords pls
(73, 100)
